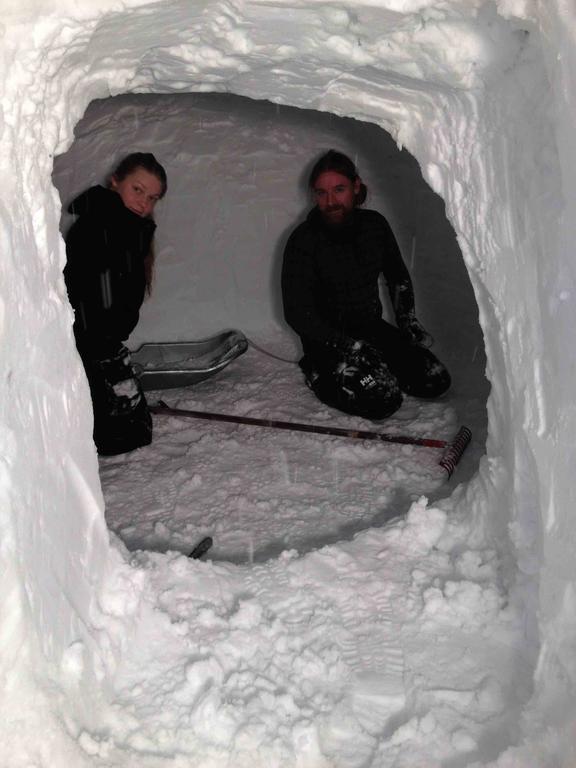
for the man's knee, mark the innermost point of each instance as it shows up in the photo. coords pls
(375, 406)
(433, 381)
(383, 405)
(359, 392)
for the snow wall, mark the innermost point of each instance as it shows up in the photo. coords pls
(481, 93)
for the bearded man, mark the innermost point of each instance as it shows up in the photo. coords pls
(353, 359)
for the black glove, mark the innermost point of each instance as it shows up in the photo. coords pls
(414, 331)
(361, 354)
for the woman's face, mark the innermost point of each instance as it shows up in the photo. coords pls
(140, 190)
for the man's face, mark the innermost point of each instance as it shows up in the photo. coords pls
(140, 190)
(335, 195)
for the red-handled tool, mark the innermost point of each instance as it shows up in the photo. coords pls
(453, 450)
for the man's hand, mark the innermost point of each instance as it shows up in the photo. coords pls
(414, 331)
(361, 354)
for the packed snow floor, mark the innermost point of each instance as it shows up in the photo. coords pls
(396, 646)
(260, 491)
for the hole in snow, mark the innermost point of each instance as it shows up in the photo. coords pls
(237, 171)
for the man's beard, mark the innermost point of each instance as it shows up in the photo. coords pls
(337, 221)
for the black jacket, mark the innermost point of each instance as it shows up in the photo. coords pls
(105, 277)
(330, 277)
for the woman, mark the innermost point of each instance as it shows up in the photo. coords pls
(109, 269)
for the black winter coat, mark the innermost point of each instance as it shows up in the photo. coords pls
(330, 278)
(105, 275)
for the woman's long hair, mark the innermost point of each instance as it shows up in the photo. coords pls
(148, 162)
(337, 162)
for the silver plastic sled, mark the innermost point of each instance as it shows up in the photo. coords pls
(182, 363)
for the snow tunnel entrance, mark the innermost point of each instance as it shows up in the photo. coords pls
(470, 94)
(237, 172)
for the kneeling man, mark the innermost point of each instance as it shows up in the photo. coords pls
(353, 359)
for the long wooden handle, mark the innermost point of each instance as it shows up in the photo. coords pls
(161, 408)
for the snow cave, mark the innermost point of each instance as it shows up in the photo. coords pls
(359, 611)
(236, 169)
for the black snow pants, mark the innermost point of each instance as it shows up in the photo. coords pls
(122, 421)
(371, 385)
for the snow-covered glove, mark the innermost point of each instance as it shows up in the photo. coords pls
(361, 354)
(414, 331)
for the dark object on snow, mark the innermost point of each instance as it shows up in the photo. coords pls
(183, 363)
(331, 299)
(201, 548)
(105, 276)
(452, 454)
(122, 421)
(367, 378)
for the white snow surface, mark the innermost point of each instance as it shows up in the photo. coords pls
(444, 637)
(389, 650)
(258, 491)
